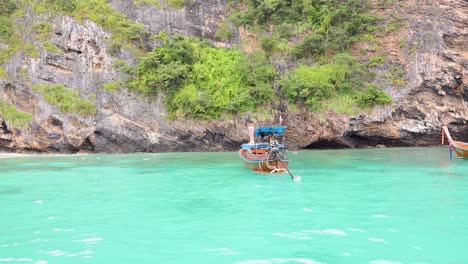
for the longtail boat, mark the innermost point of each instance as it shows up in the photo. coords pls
(460, 148)
(264, 153)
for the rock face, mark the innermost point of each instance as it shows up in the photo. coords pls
(438, 86)
(198, 18)
(436, 92)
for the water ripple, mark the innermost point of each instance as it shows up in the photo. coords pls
(225, 251)
(22, 260)
(356, 230)
(86, 252)
(89, 240)
(57, 253)
(376, 239)
(380, 216)
(37, 240)
(279, 260)
(384, 262)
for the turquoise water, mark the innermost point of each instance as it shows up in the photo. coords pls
(378, 206)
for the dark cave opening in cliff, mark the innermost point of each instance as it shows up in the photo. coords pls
(327, 144)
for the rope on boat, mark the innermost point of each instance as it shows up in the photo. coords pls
(294, 178)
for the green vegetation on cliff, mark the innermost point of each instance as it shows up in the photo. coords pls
(345, 76)
(160, 3)
(201, 81)
(124, 32)
(322, 27)
(8, 31)
(7, 7)
(66, 99)
(307, 41)
(13, 116)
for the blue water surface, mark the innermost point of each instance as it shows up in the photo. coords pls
(378, 206)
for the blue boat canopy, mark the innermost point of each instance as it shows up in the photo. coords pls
(250, 146)
(271, 130)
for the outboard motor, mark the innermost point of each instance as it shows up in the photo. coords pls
(274, 146)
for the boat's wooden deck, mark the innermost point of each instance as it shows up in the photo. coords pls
(255, 154)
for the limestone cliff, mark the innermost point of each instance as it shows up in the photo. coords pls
(435, 59)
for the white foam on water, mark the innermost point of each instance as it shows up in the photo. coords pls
(69, 230)
(24, 259)
(41, 262)
(417, 248)
(356, 230)
(255, 261)
(5, 245)
(57, 253)
(292, 234)
(336, 232)
(86, 257)
(346, 254)
(16, 244)
(380, 261)
(86, 252)
(307, 209)
(281, 234)
(51, 217)
(16, 260)
(39, 201)
(224, 251)
(37, 232)
(305, 238)
(90, 240)
(392, 230)
(37, 240)
(56, 230)
(380, 216)
(314, 231)
(279, 260)
(376, 239)
(302, 260)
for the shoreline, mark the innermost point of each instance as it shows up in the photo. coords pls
(4, 155)
(14, 155)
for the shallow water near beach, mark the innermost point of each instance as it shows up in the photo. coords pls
(378, 206)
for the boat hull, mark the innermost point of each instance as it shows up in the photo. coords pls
(460, 149)
(262, 164)
(263, 167)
